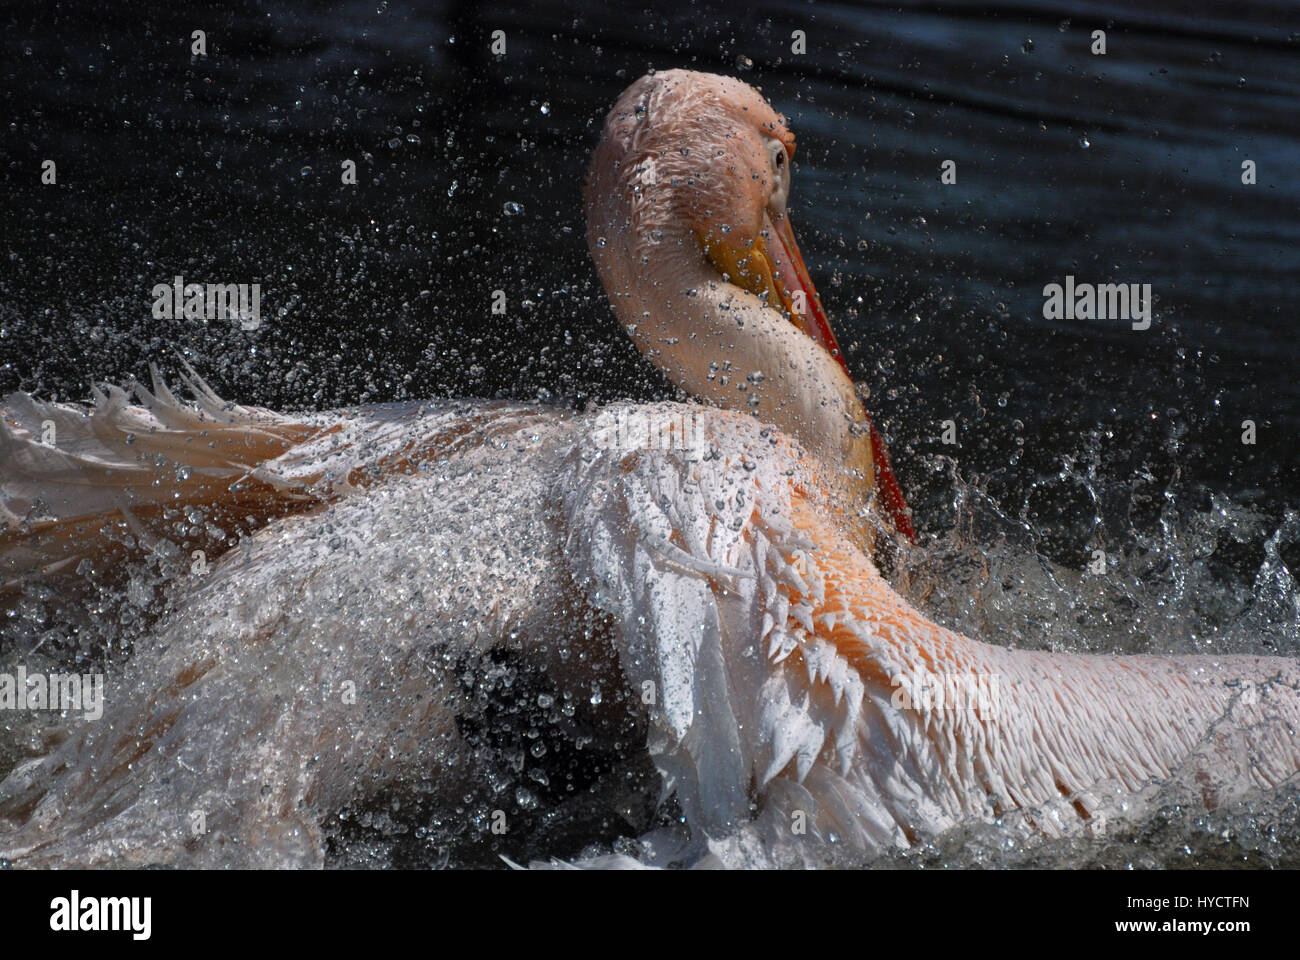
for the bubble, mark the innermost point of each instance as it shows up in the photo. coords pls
(513, 208)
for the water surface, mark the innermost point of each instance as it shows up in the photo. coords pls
(1073, 436)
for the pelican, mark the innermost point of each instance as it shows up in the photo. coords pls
(717, 557)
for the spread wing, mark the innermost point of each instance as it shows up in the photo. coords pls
(100, 483)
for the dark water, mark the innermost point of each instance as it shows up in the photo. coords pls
(170, 164)
(1073, 435)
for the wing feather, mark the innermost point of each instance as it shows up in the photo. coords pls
(780, 654)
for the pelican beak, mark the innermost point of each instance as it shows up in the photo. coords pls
(797, 291)
(772, 268)
(796, 287)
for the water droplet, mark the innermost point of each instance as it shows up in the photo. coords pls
(545, 109)
(513, 209)
(1085, 142)
(1028, 45)
(744, 63)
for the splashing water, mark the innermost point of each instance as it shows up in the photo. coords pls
(568, 760)
(380, 299)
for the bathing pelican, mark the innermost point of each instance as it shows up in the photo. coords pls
(718, 556)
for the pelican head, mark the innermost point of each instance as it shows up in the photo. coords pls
(687, 222)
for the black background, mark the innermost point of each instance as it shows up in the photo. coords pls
(225, 168)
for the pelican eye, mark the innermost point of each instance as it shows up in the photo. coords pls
(780, 162)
